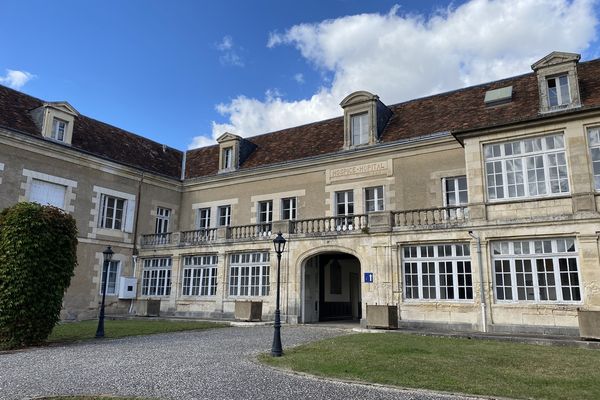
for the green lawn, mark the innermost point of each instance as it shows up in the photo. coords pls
(72, 331)
(479, 367)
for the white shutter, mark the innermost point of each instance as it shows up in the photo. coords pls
(129, 215)
(47, 193)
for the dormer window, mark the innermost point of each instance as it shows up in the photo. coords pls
(558, 91)
(359, 125)
(227, 157)
(229, 152)
(365, 117)
(59, 128)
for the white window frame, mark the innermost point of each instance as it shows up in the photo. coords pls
(199, 276)
(509, 262)
(594, 145)
(163, 220)
(375, 199)
(128, 216)
(224, 215)
(227, 157)
(203, 218)
(344, 221)
(156, 276)
(510, 160)
(455, 192)
(265, 212)
(289, 208)
(47, 186)
(249, 274)
(560, 100)
(113, 269)
(425, 272)
(59, 129)
(359, 129)
(103, 221)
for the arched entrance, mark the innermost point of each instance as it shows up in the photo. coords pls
(331, 288)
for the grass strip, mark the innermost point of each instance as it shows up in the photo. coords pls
(478, 367)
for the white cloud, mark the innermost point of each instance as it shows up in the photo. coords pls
(16, 79)
(299, 77)
(229, 53)
(404, 56)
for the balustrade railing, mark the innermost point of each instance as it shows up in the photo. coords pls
(254, 231)
(347, 223)
(453, 215)
(155, 239)
(198, 236)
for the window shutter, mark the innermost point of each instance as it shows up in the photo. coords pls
(129, 215)
(47, 193)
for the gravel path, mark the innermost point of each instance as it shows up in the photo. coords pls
(211, 364)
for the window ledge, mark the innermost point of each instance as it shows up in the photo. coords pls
(528, 200)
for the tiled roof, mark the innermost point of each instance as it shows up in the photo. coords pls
(455, 111)
(93, 137)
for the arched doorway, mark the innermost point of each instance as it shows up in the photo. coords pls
(331, 288)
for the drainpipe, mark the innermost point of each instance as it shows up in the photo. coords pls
(481, 289)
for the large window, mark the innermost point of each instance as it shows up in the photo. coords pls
(224, 215)
(543, 270)
(558, 91)
(249, 274)
(289, 208)
(374, 199)
(112, 271)
(526, 168)
(203, 218)
(47, 193)
(156, 277)
(163, 216)
(359, 129)
(200, 276)
(594, 141)
(112, 212)
(437, 272)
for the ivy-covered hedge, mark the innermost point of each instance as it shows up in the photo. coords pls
(38, 255)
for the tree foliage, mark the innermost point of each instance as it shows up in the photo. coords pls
(38, 255)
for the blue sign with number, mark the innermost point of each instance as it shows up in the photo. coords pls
(368, 277)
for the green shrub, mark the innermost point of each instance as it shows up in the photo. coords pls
(38, 255)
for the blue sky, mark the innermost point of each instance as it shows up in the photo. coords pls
(183, 72)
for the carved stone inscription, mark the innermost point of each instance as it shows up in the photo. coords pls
(359, 171)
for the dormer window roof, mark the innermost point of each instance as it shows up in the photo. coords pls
(365, 117)
(558, 83)
(55, 120)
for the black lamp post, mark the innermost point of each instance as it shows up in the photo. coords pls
(276, 350)
(108, 253)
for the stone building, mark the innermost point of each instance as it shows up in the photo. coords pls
(475, 209)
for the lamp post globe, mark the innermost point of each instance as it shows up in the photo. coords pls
(107, 255)
(276, 349)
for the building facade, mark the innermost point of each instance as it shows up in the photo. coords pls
(473, 210)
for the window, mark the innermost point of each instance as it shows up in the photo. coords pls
(200, 276)
(533, 167)
(47, 193)
(359, 128)
(374, 199)
(162, 220)
(156, 277)
(536, 270)
(249, 274)
(59, 128)
(224, 215)
(288, 208)
(344, 206)
(558, 91)
(437, 272)
(112, 212)
(594, 140)
(455, 191)
(110, 284)
(227, 158)
(203, 216)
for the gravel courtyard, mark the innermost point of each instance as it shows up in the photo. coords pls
(211, 364)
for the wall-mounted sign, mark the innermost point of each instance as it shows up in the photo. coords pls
(368, 277)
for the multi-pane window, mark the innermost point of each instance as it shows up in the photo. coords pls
(163, 216)
(156, 277)
(200, 275)
(532, 167)
(455, 191)
(203, 218)
(542, 270)
(47, 193)
(594, 141)
(224, 215)
(437, 272)
(344, 209)
(374, 199)
(112, 212)
(112, 271)
(249, 274)
(289, 208)
(359, 128)
(265, 216)
(59, 128)
(227, 157)
(558, 91)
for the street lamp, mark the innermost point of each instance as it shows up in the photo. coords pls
(276, 350)
(108, 253)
